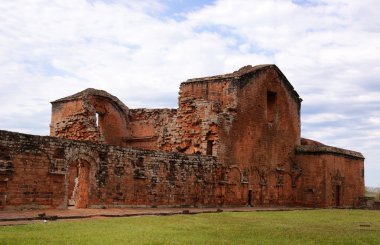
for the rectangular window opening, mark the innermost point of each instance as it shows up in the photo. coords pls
(210, 144)
(271, 106)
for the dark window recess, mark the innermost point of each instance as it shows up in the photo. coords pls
(250, 198)
(210, 144)
(271, 106)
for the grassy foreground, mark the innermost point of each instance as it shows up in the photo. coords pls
(288, 227)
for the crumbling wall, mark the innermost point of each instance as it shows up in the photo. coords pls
(205, 105)
(90, 115)
(42, 172)
(74, 120)
(331, 177)
(153, 129)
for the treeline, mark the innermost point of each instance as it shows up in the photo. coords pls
(373, 192)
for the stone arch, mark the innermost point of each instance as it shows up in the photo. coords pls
(235, 175)
(259, 177)
(110, 118)
(85, 156)
(90, 115)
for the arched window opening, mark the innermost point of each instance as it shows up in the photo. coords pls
(97, 120)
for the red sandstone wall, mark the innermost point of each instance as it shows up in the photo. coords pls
(261, 140)
(24, 178)
(40, 172)
(152, 129)
(232, 111)
(329, 179)
(72, 120)
(112, 121)
(89, 117)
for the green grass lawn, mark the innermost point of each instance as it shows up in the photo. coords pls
(287, 227)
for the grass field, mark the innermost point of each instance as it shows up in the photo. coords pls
(287, 227)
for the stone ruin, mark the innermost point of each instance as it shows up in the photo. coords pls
(234, 140)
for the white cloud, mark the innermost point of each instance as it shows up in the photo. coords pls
(327, 49)
(323, 117)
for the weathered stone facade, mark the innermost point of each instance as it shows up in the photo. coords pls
(234, 140)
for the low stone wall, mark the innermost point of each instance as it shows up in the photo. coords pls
(49, 172)
(331, 177)
(41, 172)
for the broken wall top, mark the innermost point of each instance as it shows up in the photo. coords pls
(325, 149)
(241, 76)
(90, 92)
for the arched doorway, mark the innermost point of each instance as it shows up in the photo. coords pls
(78, 191)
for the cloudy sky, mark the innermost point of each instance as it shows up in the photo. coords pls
(140, 51)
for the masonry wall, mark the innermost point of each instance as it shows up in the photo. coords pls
(40, 172)
(90, 115)
(331, 177)
(204, 108)
(253, 123)
(73, 120)
(153, 129)
(249, 120)
(263, 135)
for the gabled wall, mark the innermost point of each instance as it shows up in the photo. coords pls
(252, 119)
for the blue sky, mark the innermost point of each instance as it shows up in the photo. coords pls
(140, 51)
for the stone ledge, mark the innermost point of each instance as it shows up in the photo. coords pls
(324, 149)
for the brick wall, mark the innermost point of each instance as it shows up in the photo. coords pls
(40, 172)
(90, 115)
(153, 129)
(331, 177)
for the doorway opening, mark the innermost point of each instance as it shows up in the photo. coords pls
(337, 196)
(250, 198)
(78, 184)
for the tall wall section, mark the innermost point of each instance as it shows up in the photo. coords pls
(249, 119)
(263, 135)
(206, 105)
